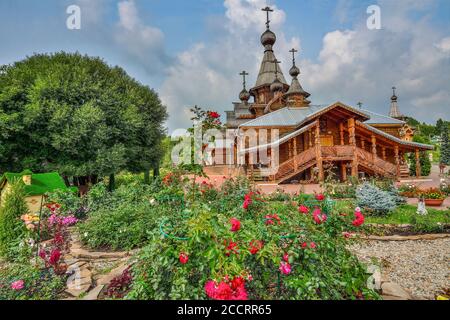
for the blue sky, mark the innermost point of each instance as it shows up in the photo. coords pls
(192, 51)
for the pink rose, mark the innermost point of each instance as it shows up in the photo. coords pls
(18, 285)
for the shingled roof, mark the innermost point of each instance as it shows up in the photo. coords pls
(376, 118)
(266, 75)
(294, 116)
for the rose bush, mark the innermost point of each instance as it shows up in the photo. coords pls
(238, 246)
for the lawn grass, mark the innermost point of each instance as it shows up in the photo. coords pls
(406, 214)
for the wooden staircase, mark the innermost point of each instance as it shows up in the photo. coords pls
(376, 164)
(404, 171)
(296, 165)
(255, 175)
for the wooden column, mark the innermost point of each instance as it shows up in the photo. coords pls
(352, 140)
(341, 132)
(310, 139)
(295, 152)
(343, 171)
(363, 144)
(397, 160)
(374, 147)
(418, 168)
(383, 153)
(319, 151)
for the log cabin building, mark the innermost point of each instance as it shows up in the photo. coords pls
(314, 139)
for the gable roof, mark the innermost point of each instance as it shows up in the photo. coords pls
(395, 139)
(294, 116)
(376, 118)
(41, 183)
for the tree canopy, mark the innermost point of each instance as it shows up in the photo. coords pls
(77, 115)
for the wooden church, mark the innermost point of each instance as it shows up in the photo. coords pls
(313, 139)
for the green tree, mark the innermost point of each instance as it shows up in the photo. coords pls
(445, 147)
(425, 164)
(12, 228)
(78, 116)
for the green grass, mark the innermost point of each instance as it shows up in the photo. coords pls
(406, 214)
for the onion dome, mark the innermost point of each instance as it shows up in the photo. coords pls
(268, 39)
(276, 85)
(244, 96)
(294, 72)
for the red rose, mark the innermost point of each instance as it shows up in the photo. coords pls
(320, 197)
(319, 217)
(54, 257)
(255, 246)
(230, 248)
(184, 258)
(213, 114)
(359, 219)
(303, 209)
(286, 257)
(235, 224)
(312, 245)
(304, 245)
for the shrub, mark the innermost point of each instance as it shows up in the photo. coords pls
(30, 283)
(12, 228)
(270, 251)
(123, 218)
(432, 193)
(425, 164)
(71, 203)
(375, 200)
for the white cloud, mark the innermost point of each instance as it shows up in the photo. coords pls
(353, 65)
(362, 65)
(444, 45)
(92, 11)
(207, 74)
(143, 42)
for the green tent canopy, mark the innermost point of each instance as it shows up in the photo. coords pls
(41, 183)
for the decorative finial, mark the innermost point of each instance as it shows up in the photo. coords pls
(276, 84)
(267, 10)
(394, 95)
(243, 74)
(244, 95)
(360, 104)
(293, 51)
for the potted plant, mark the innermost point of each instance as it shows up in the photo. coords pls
(433, 197)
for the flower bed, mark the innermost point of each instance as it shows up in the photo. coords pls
(238, 246)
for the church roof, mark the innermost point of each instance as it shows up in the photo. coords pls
(294, 116)
(376, 118)
(393, 138)
(267, 71)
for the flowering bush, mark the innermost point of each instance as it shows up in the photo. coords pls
(432, 193)
(269, 250)
(120, 285)
(22, 281)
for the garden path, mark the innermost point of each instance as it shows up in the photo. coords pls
(91, 271)
(421, 267)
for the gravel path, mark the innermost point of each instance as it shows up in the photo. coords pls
(422, 267)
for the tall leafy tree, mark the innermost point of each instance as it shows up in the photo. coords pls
(445, 147)
(77, 115)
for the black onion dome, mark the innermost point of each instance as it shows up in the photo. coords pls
(244, 96)
(268, 38)
(294, 72)
(276, 86)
